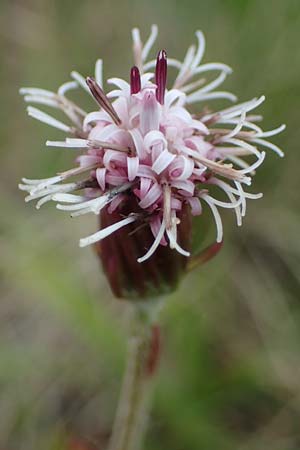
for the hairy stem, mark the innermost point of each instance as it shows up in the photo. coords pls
(131, 413)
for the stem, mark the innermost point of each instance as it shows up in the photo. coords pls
(131, 416)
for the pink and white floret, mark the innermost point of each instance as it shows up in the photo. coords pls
(143, 140)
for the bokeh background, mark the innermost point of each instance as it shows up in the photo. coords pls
(230, 373)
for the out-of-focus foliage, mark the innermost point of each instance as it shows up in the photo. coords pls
(230, 372)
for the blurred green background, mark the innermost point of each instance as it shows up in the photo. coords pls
(230, 372)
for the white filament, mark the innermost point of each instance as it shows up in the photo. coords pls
(106, 231)
(45, 118)
(155, 244)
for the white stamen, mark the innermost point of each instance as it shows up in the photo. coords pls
(224, 170)
(95, 205)
(39, 188)
(174, 244)
(68, 198)
(136, 36)
(246, 124)
(212, 85)
(43, 117)
(236, 129)
(185, 66)
(234, 191)
(47, 101)
(43, 200)
(35, 91)
(155, 244)
(257, 163)
(99, 72)
(247, 106)
(171, 62)
(51, 190)
(216, 215)
(80, 80)
(192, 86)
(212, 66)
(42, 184)
(210, 96)
(223, 204)
(237, 161)
(106, 231)
(149, 43)
(137, 48)
(236, 110)
(68, 86)
(69, 143)
(269, 145)
(225, 187)
(245, 145)
(264, 134)
(241, 193)
(200, 51)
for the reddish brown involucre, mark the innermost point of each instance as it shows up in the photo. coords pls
(119, 252)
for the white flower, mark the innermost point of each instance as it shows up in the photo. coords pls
(143, 141)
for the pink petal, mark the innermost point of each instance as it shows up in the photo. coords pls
(151, 197)
(163, 161)
(144, 186)
(199, 171)
(176, 204)
(107, 132)
(156, 138)
(171, 133)
(121, 107)
(139, 143)
(88, 160)
(155, 152)
(146, 172)
(111, 156)
(186, 186)
(198, 125)
(132, 167)
(149, 117)
(115, 203)
(181, 114)
(173, 95)
(155, 226)
(182, 168)
(96, 116)
(121, 84)
(195, 205)
(115, 179)
(100, 175)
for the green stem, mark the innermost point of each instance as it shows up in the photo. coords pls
(131, 413)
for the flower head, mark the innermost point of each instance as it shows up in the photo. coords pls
(142, 148)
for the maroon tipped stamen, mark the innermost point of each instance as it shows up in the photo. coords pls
(161, 76)
(102, 99)
(135, 80)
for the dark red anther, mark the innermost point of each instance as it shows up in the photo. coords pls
(102, 99)
(161, 76)
(135, 80)
(154, 351)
